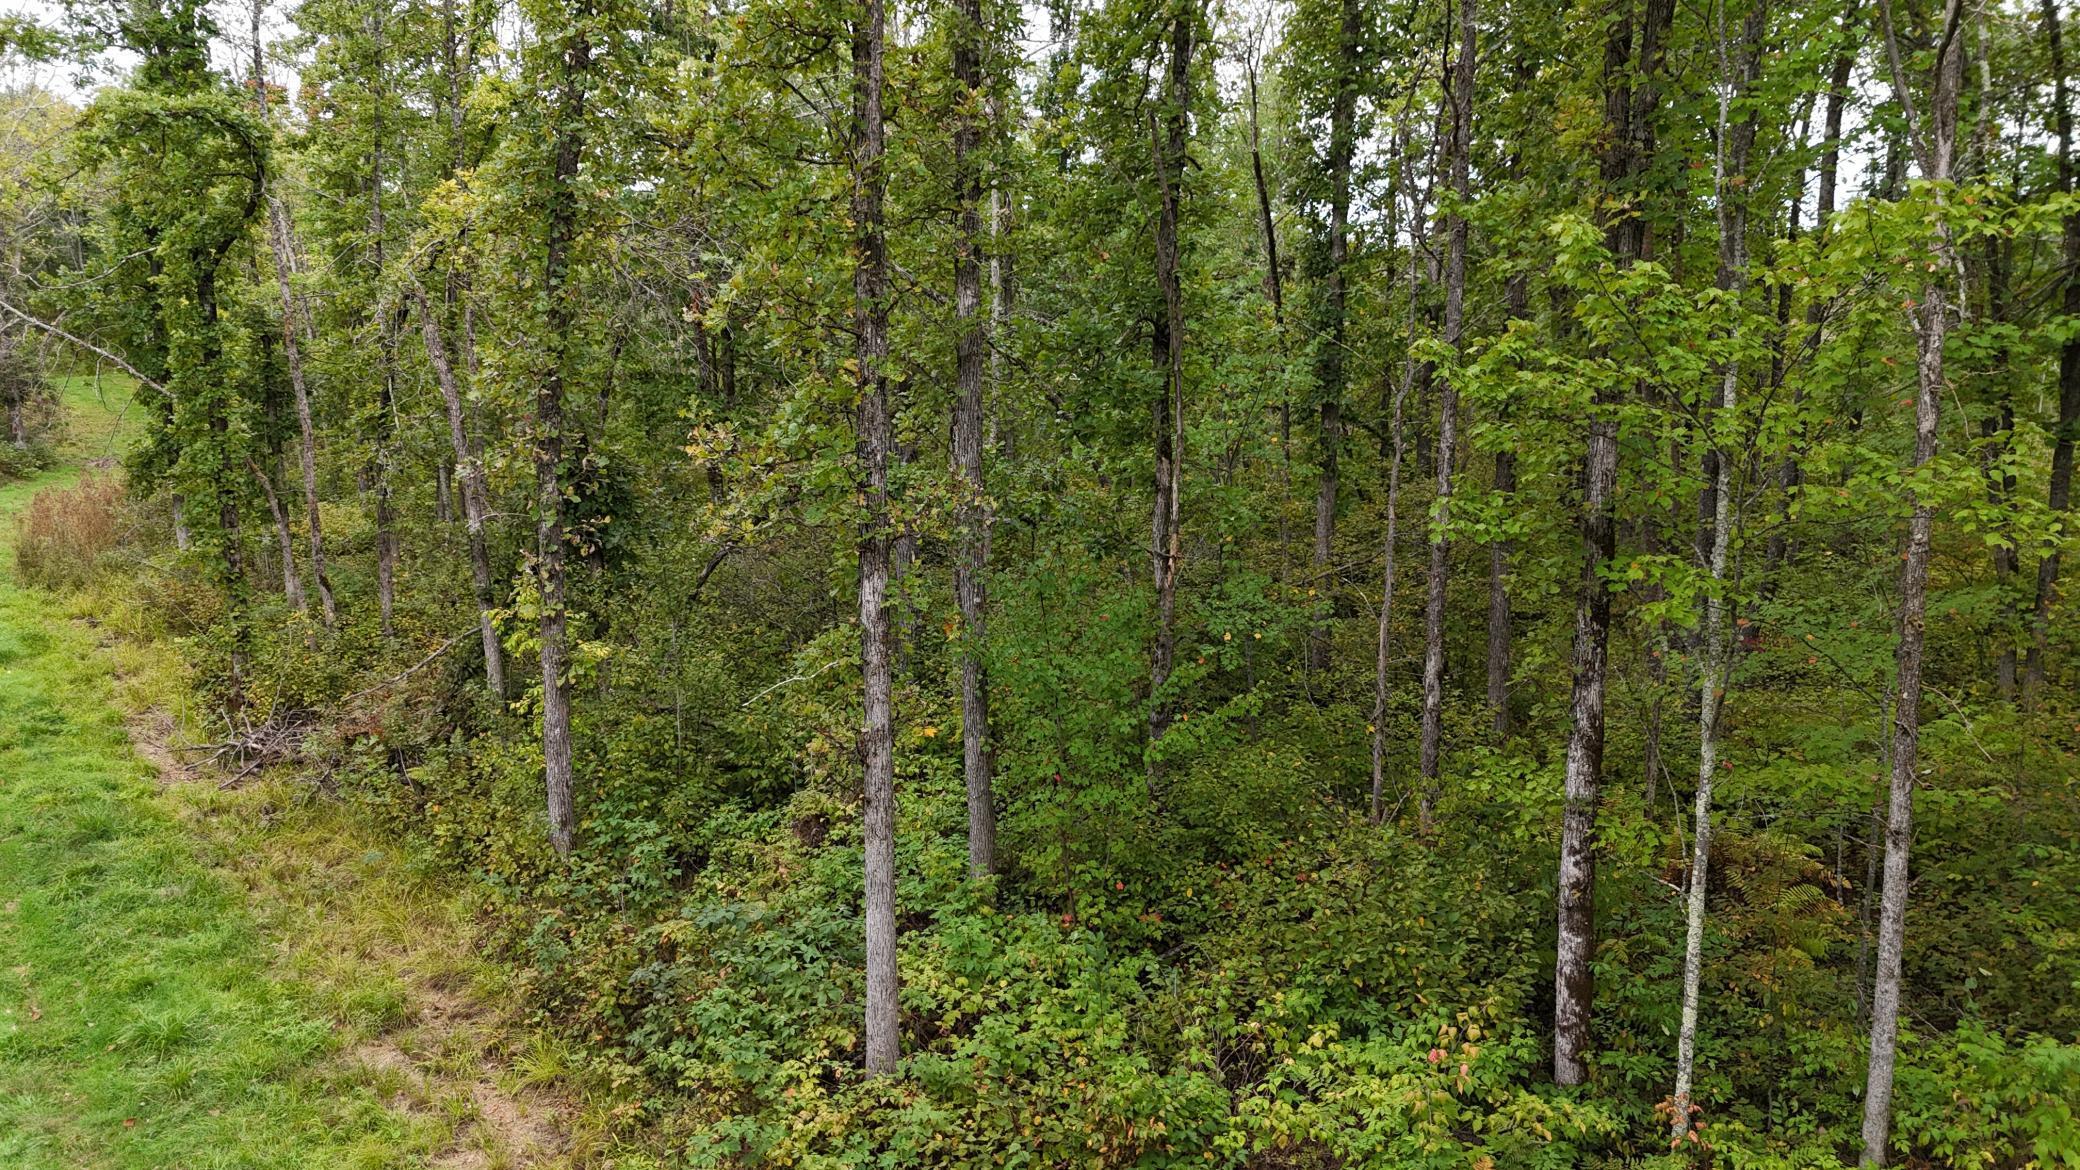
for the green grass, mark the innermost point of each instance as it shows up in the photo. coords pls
(146, 1020)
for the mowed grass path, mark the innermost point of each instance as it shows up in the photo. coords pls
(141, 1022)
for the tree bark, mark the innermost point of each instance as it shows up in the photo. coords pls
(1499, 625)
(971, 510)
(1447, 415)
(306, 449)
(475, 499)
(386, 333)
(1168, 150)
(1398, 434)
(1628, 112)
(874, 442)
(292, 581)
(1999, 428)
(1789, 472)
(1329, 349)
(1397, 441)
(1274, 283)
(562, 223)
(1935, 144)
(2067, 431)
(1735, 140)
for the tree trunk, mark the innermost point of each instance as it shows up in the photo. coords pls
(2000, 492)
(971, 510)
(1628, 112)
(1168, 150)
(1447, 415)
(1386, 597)
(306, 450)
(567, 151)
(1498, 606)
(1789, 473)
(386, 348)
(1935, 144)
(475, 499)
(230, 553)
(875, 439)
(1274, 283)
(1737, 72)
(1329, 350)
(292, 581)
(2067, 431)
(1397, 440)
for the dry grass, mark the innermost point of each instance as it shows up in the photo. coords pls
(65, 531)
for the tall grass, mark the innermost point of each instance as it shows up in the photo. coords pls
(62, 536)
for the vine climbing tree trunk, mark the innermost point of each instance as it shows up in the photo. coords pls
(566, 151)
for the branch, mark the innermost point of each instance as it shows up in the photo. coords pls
(54, 331)
(411, 670)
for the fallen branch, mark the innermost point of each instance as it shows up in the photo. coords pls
(413, 669)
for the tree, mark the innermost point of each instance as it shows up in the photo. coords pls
(1167, 132)
(870, 322)
(1630, 93)
(1331, 341)
(2066, 431)
(1738, 64)
(1935, 144)
(1457, 155)
(971, 514)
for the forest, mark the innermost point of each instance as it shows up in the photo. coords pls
(1127, 583)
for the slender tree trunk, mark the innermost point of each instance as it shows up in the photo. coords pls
(1498, 606)
(1168, 148)
(2067, 431)
(550, 575)
(1274, 283)
(1517, 291)
(475, 499)
(1330, 345)
(875, 440)
(1398, 435)
(306, 449)
(1789, 473)
(1628, 112)
(1397, 439)
(1935, 144)
(382, 455)
(292, 581)
(1274, 287)
(971, 511)
(1447, 416)
(1737, 65)
(2000, 492)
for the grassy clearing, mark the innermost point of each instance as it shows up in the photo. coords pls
(197, 978)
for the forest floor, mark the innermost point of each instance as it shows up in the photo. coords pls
(195, 975)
